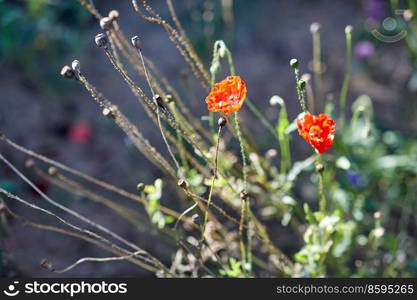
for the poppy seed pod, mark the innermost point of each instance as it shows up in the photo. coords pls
(105, 23)
(294, 63)
(67, 72)
(136, 42)
(106, 112)
(222, 122)
(101, 40)
(113, 14)
(182, 183)
(76, 66)
(52, 171)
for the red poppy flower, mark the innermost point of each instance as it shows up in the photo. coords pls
(227, 96)
(317, 130)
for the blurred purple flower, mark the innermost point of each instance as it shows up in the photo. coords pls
(364, 49)
(354, 178)
(375, 9)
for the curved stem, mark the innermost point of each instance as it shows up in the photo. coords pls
(242, 151)
(212, 182)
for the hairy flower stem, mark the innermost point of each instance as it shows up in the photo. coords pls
(212, 182)
(245, 206)
(242, 151)
(322, 196)
(299, 85)
(346, 79)
(159, 115)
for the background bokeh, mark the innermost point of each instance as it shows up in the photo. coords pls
(55, 117)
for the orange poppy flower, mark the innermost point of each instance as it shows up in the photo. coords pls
(317, 130)
(227, 96)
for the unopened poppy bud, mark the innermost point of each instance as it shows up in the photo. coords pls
(222, 50)
(182, 183)
(113, 14)
(315, 27)
(101, 40)
(294, 63)
(136, 42)
(319, 168)
(76, 66)
(301, 84)
(105, 23)
(52, 171)
(29, 163)
(67, 72)
(140, 187)
(222, 122)
(243, 195)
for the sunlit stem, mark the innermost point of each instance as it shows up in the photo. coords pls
(246, 257)
(315, 31)
(322, 197)
(159, 115)
(245, 205)
(346, 79)
(300, 86)
(216, 159)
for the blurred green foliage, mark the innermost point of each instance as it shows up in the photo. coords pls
(36, 34)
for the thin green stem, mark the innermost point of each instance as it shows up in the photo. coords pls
(315, 31)
(262, 118)
(322, 196)
(242, 151)
(245, 206)
(209, 199)
(299, 85)
(346, 79)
